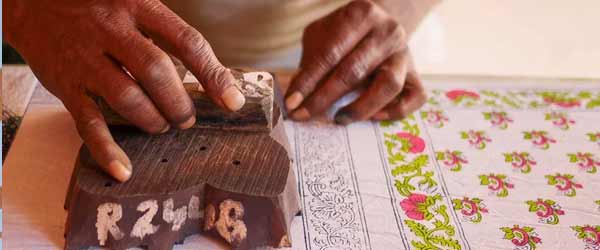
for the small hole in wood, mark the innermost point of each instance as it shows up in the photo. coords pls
(108, 184)
(202, 148)
(259, 77)
(164, 160)
(236, 162)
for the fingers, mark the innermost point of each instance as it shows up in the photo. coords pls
(155, 71)
(322, 53)
(352, 70)
(125, 96)
(412, 98)
(96, 136)
(178, 38)
(387, 84)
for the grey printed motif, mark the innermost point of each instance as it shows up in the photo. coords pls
(333, 216)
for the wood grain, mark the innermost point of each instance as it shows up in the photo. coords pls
(214, 165)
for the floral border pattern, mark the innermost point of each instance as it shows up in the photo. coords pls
(427, 215)
(333, 210)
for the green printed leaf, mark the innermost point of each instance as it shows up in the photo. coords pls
(532, 206)
(508, 158)
(457, 204)
(551, 179)
(417, 228)
(593, 103)
(446, 242)
(386, 123)
(508, 233)
(484, 180)
(417, 163)
(584, 94)
(572, 158)
(440, 156)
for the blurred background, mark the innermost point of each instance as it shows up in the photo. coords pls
(551, 38)
(531, 38)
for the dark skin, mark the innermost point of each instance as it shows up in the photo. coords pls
(360, 45)
(119, 50)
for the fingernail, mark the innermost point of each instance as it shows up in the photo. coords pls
(233, 98)
(301, 114)
(187, 124)
(381, 115)
(294, 100)
(119, 171)
(343, 118)
(164, 130)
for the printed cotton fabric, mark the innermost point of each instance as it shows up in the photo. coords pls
(478, 167)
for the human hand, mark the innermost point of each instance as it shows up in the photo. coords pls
(358, 45)
(77, 48)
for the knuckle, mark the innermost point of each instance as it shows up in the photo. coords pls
(129, 98)
(88, 127)
(192, 43)
(154, 68)
(392, 77)
(182, 110)
(393, 28)
(350, 74)
(391, 31)
(216, 78)
(391, 87)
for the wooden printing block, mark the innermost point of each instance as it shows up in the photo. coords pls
(231, 180)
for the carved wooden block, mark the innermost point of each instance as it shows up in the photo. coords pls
(236, 185)
(255, 115)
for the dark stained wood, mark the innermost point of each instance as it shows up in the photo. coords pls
(233, 184)
(255, 115)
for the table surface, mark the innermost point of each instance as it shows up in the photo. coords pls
(352, 174)
(509, 38)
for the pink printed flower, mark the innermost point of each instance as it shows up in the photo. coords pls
(417, 145)
(498, 184)
(522, 236)
(520, 161)
(548, 211)
(471, 209)
(477, 139)
(435, 118)
(585, 161)
(560, 119)
(564, 184)
(563, 103)
(538, 138)
(589, 234)
(460, 93)
(412, 206)
(453, 159)
(498, 119)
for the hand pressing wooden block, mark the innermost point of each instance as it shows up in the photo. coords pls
(255, 115)
(234, 184)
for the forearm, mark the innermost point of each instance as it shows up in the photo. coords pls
(409, 13)
(11, 11)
